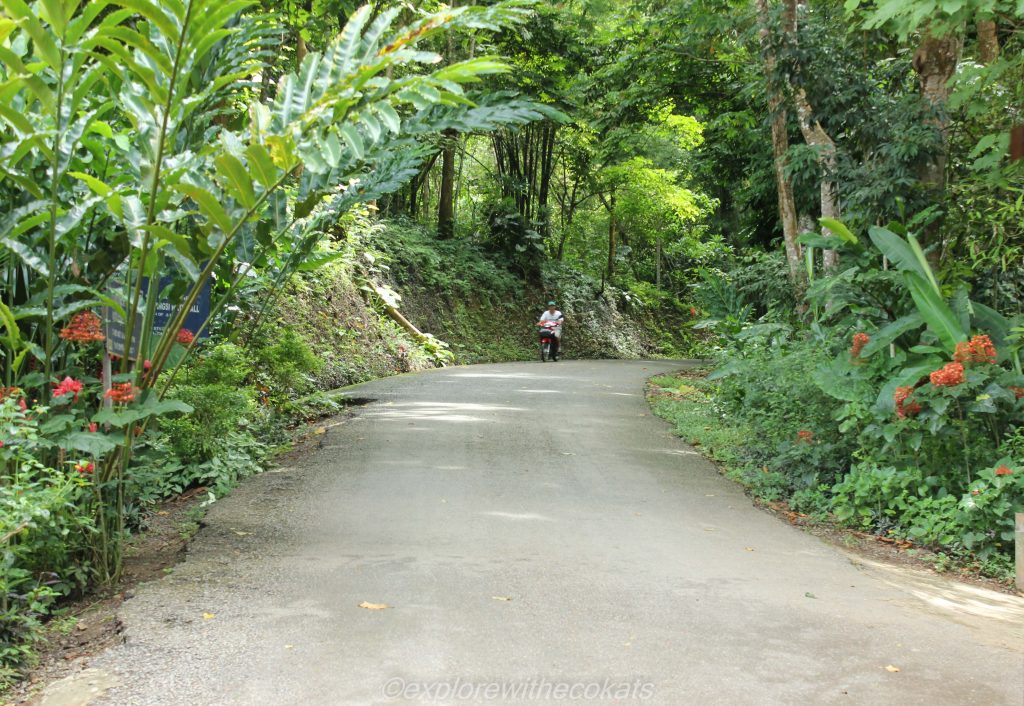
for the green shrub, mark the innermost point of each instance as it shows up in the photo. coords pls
(45, 527)
(284, 363)
(987, 509)
(215, 387)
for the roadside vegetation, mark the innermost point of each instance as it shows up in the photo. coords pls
(213, 213)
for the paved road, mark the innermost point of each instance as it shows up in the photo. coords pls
(538, 534)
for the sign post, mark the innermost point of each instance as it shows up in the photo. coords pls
(114, 325)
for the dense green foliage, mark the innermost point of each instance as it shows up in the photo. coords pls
(705, 177)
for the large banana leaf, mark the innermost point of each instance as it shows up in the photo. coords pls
(906, 255)
(937, 314)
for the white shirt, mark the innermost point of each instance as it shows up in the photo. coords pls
(548, 316)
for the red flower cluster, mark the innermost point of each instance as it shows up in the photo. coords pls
(949, 375)
(66, 386)
(978, 350)
(84, 328)
(1004, 471)
(123, 392)
(185, 337)
(694, 312)
(859, 341)
(85, 467)
(93, 427)
(1018, 392)
(904, 410)
(805, 437)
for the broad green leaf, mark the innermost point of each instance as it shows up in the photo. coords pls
(933, 309)
(353, 140)
(469, 70)
(922, 261)
(209, 206)
(839, 229)
(155, 15)
(92, 443)
(97, 186)
(29, 256)
(13, 332)
(45, 47)
(237, 179)
(886, 335)
(389, 117)
(262, 165)
(899, 252)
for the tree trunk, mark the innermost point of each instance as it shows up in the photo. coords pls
(816, 136)
(657, 263)
(780, 145)
(446, 194)
(547, 162)
(988, 41)
(612, 244)
(935, 61)
(1017, 143)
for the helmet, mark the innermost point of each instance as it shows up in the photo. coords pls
(552, 303)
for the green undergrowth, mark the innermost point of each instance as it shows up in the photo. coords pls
(689, 403)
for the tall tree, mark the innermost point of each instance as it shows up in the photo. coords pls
(780, 136)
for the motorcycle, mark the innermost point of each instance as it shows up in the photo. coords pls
(549, 345)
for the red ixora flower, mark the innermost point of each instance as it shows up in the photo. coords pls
(903, 409)
(1004, 471)
(85, 467)
(185, 337)
(978, 350)
(949, 375)
(859, 341)
(93, 427)
(694, 312)
(68, 385)
(84, 328)
(805, 436)
(123, 392)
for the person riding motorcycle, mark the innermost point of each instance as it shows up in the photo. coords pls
(553, 314)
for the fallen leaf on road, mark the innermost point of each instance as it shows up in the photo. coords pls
(566, 453)
(320, 430)
(809, 595)
(502, 598)
(749, 549)
(709, 495)
(163, 513)
(373, 606)
(890, 668)
(209, 616)
(241, 534)
(288, 647)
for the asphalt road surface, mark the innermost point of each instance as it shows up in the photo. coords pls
(538, 537)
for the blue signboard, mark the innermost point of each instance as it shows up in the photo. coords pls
(114, 325)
